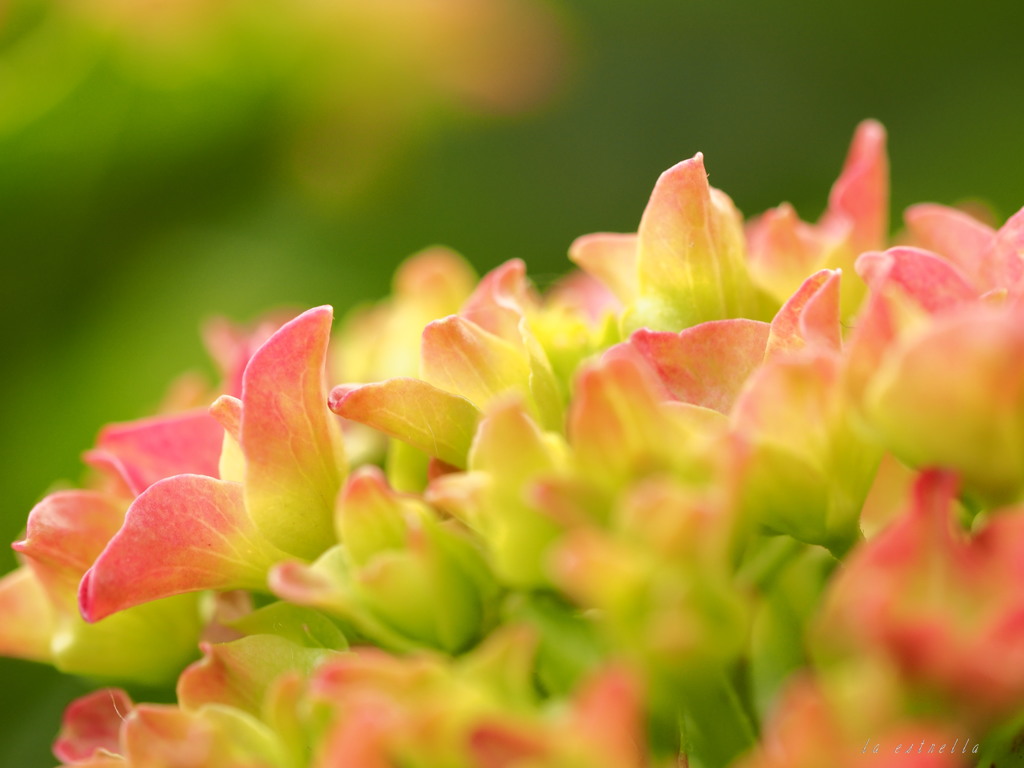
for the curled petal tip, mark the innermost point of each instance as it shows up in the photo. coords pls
(337, 396)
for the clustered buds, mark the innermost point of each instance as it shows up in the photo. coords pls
(731, 495)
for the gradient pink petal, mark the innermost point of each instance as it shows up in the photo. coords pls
(811, 317)
(92, 724)
(148, 450)
(66, 532)
(501, 300)
(859, 201)
(707, 364)
(292, 444)
(183, 534)
(691, 253)
(956, 235)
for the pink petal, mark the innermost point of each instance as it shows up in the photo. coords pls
(501, 300)
(92, 723)
(790, 402)
(897, 275)
(66, 532)
(859, 201)
(959, 237)
(810, 317)
(148, 450)
(183, 534)
(968, 367)
(707, 364)
(435, 421)
(1005, 265)
(500, 745)
(607, 715)
(361, 739)
(934, 283)
(622, 422)
(231, 346)
(292, 445)
(940, 604)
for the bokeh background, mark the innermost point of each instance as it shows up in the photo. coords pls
(166, 161)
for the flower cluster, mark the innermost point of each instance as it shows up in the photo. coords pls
(731, 494)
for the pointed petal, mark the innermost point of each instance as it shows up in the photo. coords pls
(92, 723)
(231, 346)
(1004, 266)
(859, 199)
(183, 534)
(708, 364)
(511, 447)
(691, 254)
(808, 470)
(810, 317)
(612, 259)
(148, 450)
(436, 422)
(293, 451)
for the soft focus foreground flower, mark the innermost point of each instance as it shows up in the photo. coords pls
(718, 500)
(939, 603)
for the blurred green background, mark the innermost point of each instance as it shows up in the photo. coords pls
(165, 162)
